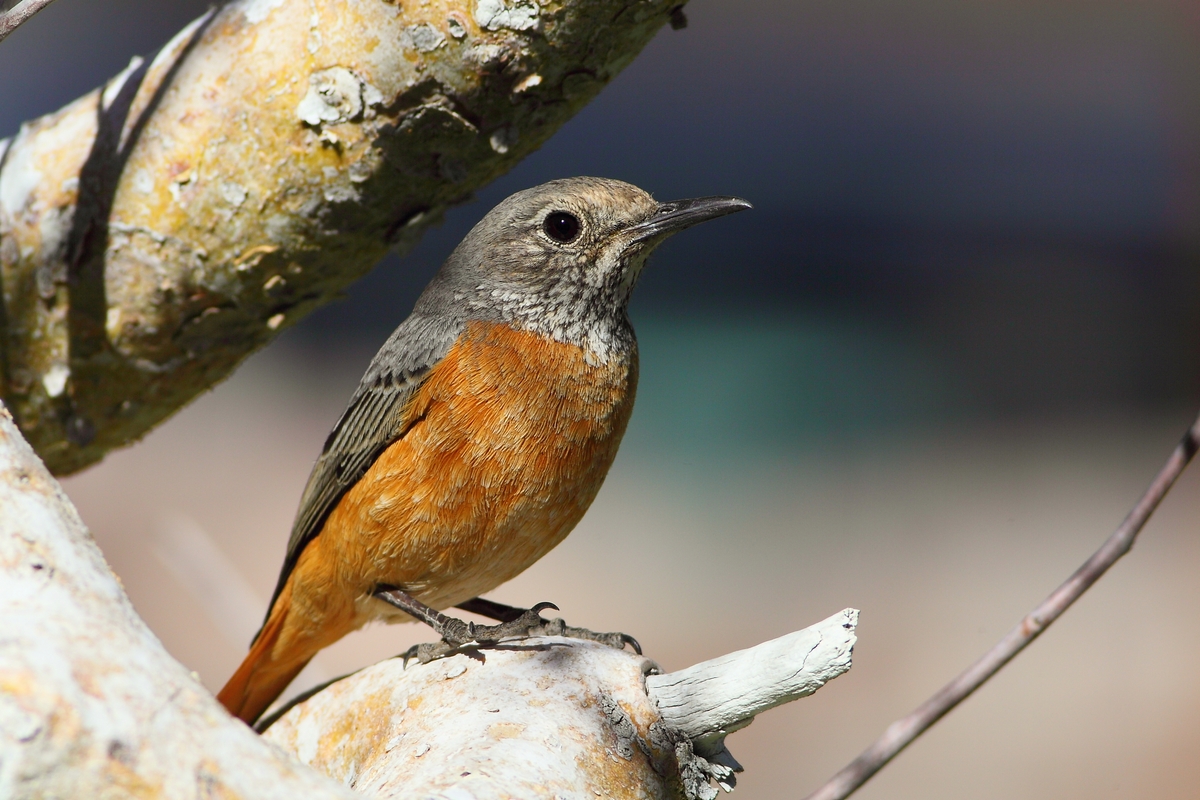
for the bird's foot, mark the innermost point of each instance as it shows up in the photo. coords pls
(455, 632)
(515, 623)
(554, 627)
(559, 627)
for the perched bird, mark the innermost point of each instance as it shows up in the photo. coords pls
(481, 431)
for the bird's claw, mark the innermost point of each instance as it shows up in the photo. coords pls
(524, 625)
(615, 640)
(456, 633)
(427, 651)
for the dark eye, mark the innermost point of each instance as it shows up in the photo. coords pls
(561, 226)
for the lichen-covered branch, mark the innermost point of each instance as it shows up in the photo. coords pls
(91, 705)
(157, 231)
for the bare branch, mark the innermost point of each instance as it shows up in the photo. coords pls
(708, 700)
(20, 13)
(903, 731)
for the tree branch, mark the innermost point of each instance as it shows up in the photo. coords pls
(91, 705)
(156, 232)
(20, 13)
(551, 716)
(903, 731)
(716, 697)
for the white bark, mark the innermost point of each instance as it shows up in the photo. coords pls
(708, 700)
(553, 717)
(543, 717)
(91, 705)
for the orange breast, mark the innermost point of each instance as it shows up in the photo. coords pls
(513, 436)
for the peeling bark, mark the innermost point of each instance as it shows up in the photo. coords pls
(157, 231)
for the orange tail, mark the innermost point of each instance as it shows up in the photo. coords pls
(264, 673)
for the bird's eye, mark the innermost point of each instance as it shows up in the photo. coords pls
(561, 226)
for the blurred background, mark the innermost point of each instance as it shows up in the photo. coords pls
(925, 377)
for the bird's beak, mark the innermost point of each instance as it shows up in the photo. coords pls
(672, 217)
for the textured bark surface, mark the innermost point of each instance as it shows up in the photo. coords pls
(540, 718)
(157, 231)
(91, 705)
(554, 717)
(709, 700)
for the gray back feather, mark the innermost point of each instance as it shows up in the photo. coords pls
(372, 421)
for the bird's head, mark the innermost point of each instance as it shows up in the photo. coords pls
(562, 258)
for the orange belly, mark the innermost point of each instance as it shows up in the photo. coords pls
(512, 438)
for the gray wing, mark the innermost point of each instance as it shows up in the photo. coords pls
(373, 420)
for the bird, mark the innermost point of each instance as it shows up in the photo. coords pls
(480, 433)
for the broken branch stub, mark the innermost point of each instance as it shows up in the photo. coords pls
(156, 232)
(706, 701)
(551, 716)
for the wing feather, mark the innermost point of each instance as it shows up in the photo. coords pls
(374, 419)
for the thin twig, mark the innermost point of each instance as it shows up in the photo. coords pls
(10, 20)
(904, 730)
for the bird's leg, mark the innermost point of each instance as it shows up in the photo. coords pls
(555, 627)
(514, 623)
(455, 632)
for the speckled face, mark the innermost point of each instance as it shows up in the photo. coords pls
(561, 259)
